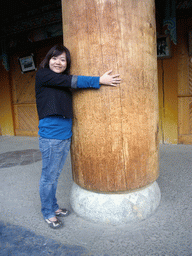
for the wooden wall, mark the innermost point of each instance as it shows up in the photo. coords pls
(174, 82)
(6, 113)
(18, 108)
(167, 84)
(175, 89)
(23, 93)
(184, 83)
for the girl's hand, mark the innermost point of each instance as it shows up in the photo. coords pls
(108, 79)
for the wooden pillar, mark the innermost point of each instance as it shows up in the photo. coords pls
(115, 130)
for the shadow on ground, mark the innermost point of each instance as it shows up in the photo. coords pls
(21, 157)
(19, 241)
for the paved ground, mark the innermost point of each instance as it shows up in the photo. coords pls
(23, 231)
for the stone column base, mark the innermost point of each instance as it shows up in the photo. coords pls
(115, 209)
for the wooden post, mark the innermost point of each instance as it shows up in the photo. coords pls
(115, 130)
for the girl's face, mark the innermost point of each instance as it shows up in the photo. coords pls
(58, 64)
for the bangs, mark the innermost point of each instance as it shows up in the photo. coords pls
(56, 53)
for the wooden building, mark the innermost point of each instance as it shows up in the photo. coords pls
(33, 31)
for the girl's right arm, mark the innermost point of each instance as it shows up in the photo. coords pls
(48, 78)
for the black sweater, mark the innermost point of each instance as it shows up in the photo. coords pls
(53, 95)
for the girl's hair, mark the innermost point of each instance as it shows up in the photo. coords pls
(54, 52)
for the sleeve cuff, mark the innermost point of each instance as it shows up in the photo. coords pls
(74, 82)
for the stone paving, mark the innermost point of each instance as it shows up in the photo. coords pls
(23, 232)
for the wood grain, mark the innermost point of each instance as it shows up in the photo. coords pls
(115, 130)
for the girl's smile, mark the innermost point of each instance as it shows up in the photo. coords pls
(58, 64)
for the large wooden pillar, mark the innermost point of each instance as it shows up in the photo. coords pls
(115, 130)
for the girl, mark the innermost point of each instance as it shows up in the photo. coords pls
(54, 106)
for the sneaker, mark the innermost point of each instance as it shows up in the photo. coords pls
(54, 224)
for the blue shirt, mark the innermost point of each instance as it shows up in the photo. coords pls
(59, 127)
(55, 127)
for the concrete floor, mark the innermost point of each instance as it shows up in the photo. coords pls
(23, 231)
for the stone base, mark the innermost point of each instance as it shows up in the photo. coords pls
(115, 209)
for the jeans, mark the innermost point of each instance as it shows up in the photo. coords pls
(54, 153)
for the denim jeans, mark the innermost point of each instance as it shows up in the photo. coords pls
(54, 153)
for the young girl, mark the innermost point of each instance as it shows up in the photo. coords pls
(54, 106)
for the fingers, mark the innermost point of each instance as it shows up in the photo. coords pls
(116, 79)
(113, 76)
(108, 72)
(115, 82)
(108, 79)
(116, 75)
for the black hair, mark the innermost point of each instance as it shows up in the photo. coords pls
(55, 51)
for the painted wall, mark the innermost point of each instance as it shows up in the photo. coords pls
(6, 114)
